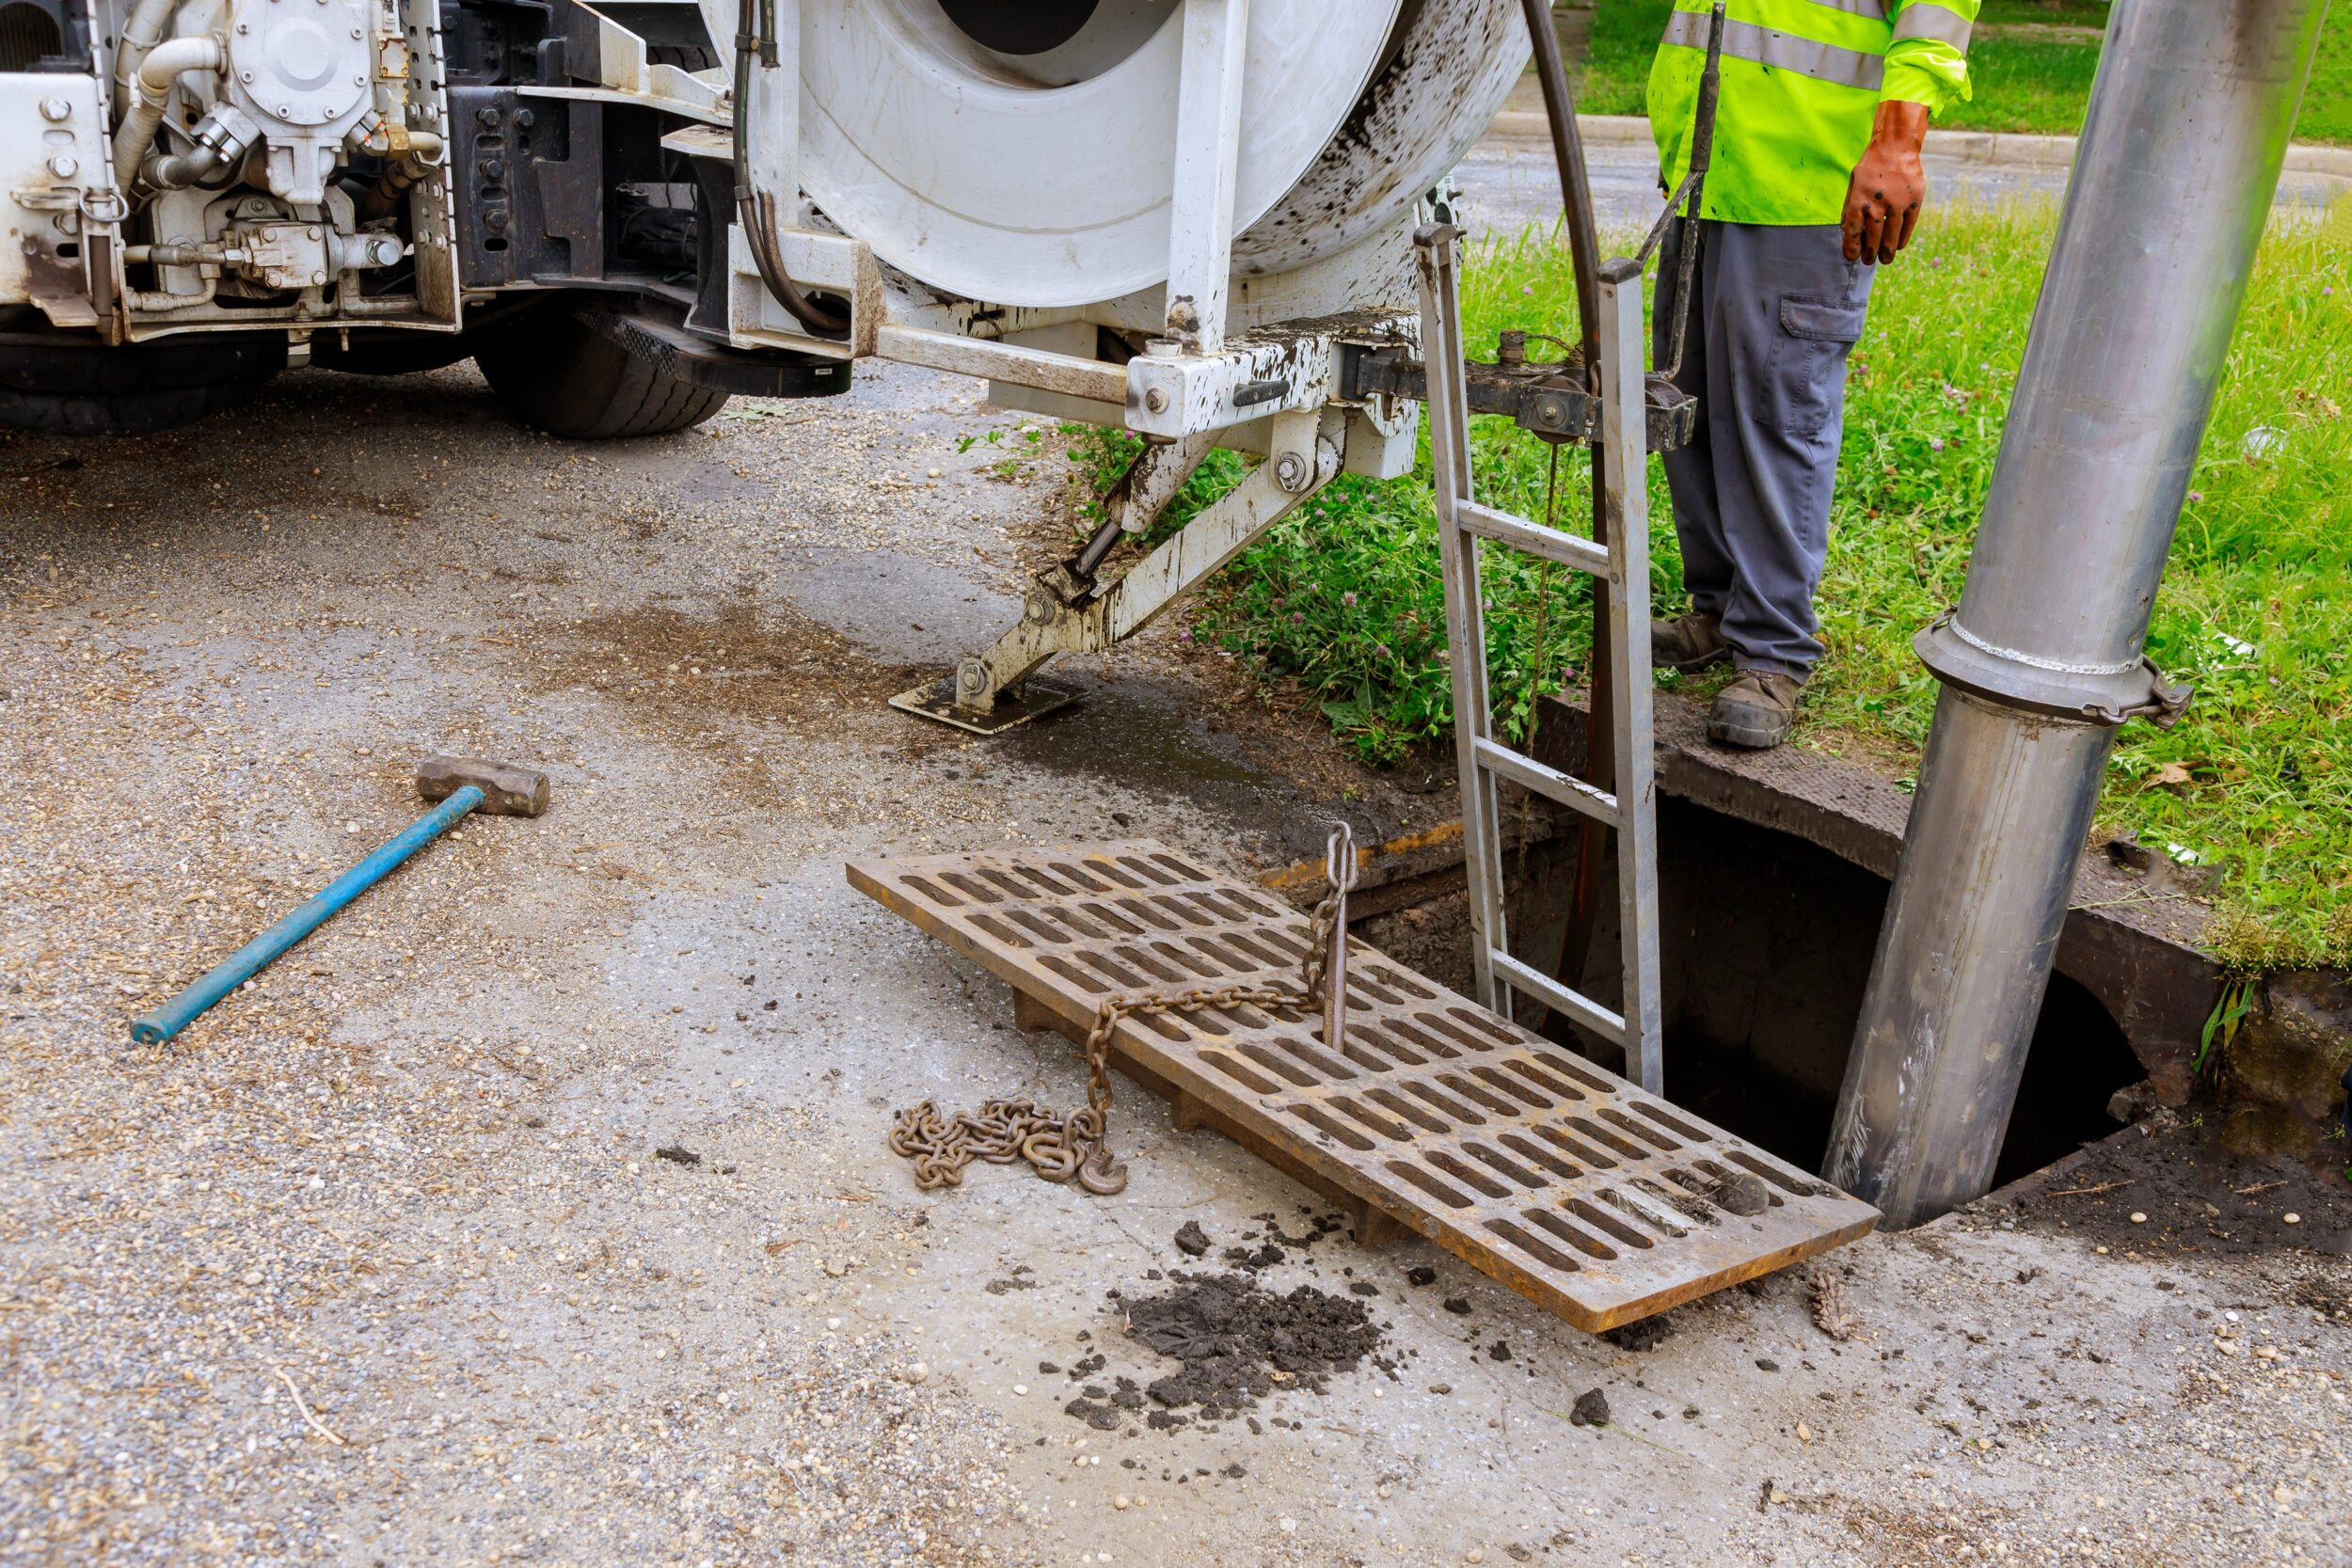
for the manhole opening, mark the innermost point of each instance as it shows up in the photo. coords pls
(1767, 942)
(2079, 1059)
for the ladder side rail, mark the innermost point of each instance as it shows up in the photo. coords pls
(1626, 507)
(1437, 258)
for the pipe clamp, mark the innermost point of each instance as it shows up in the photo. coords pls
(2103, 694)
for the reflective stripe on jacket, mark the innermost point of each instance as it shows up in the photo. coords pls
(1802, 83)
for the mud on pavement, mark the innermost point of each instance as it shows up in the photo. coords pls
(382, 1261)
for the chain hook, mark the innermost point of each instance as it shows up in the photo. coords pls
(1076, 1145)
(1338, 870)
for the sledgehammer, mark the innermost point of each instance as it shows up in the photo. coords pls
(459, 784)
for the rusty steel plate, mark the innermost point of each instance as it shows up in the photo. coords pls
(1566, 1182)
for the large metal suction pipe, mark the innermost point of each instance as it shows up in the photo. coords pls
(2172, 184)
(150, 91)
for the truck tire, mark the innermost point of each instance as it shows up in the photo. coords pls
(686, 56)
(556, 375)
(70, 384)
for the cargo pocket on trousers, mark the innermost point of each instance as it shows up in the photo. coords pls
(1806, 373)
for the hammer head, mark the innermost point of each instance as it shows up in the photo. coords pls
(505, 791)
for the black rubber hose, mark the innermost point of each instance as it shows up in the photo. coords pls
(1575, 199)
(759, 211)
(1576, 186)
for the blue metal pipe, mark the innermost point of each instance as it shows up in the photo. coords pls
(248, 961)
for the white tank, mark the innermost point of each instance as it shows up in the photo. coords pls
(1025, 153)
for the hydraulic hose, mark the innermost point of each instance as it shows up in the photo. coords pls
(142, 31)
(177, 170)
(756, 208)
(384, 197)
(409, 156)
(1575, 188)
(149, 89)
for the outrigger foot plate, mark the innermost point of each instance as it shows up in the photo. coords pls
(1032, 700)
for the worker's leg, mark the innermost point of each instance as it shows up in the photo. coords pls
(1707, 562)
(1783, 308)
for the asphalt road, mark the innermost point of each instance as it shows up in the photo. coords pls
(1508, 183)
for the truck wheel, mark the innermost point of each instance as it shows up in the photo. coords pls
(564, 377)
(686, 56)
(70, 384)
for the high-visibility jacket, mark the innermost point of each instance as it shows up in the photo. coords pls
(1802, 83)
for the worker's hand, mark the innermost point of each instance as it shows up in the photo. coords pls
(1888, 188)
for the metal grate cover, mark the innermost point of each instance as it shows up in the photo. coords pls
(1566, 1183)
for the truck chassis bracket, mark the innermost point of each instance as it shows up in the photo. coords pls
(992, 691)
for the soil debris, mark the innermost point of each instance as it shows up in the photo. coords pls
(1742, 1194)
(677, 1154)
(1643, 1334)
(1238, 1342)
(1322, 1226)
(1591, 1409)
(675, 670)
(1423, 1274)
(1102, 1418)
(1191, 1239)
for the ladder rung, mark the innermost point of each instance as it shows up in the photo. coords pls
(1520, 534)
(1548, 782)
(1579, 1007)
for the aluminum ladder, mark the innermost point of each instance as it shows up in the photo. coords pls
(1621, 446)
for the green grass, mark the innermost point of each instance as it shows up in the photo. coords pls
(2067, 13)
(1342, 604)
(2327, 101)
(2026, 84)
(2022, 82)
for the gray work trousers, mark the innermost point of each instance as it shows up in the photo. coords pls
(1779, 308)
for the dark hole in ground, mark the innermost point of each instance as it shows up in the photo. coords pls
(2079, 1059)
(1767, 942)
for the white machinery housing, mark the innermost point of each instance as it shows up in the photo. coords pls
(1182, 217)
(1187, 218)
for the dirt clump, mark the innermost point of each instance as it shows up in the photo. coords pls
(1277, 1245)
(1237, 1342)
(1643, 1334)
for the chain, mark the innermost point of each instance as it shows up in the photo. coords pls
(1061, 1147)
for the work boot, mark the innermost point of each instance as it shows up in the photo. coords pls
(1755, 710)
(1688, 643)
